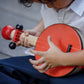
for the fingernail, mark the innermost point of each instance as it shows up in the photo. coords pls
(23, 38)
(30, 60)
(19, 42)
(26, 40)
(33, 65)
(26, 34)
(48, 37)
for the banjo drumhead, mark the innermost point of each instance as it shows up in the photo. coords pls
(62, 36)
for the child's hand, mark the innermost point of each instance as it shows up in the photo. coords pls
(49, 59)
(23, 41)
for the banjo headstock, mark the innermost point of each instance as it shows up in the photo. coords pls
(9, 32)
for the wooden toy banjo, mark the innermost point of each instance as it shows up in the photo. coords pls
(63, 36)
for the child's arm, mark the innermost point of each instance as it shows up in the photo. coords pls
(74, 58)
(40, 26)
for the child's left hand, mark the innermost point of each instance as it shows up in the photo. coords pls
(49, 59)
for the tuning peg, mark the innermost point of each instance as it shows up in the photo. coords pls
(20, 27)
(12, 45)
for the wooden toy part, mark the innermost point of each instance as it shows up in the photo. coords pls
(6, 31)
(31, 39)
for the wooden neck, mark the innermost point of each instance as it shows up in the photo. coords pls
(31, 39)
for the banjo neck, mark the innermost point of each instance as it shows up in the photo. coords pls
(31, 39)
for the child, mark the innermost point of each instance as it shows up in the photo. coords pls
(59, 12)
(18, 70)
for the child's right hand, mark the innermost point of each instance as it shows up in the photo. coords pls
(23, 41)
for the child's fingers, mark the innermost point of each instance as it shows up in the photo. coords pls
(22, 41)
(18, 43)
(26, 44)
(37, 62)
(41, 67)
(50, 42)
(40, 53)
(26, 32)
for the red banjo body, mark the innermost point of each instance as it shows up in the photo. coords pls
(62, 36)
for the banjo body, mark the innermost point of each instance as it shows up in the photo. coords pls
(62, 36)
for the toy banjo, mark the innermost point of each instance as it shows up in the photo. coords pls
(64, 37)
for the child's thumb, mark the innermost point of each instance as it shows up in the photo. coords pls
(50, 42)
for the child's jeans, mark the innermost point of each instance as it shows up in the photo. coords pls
(18, 70)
